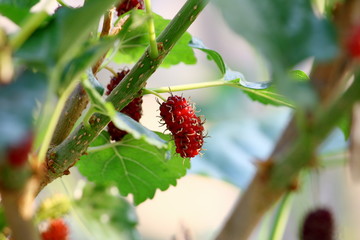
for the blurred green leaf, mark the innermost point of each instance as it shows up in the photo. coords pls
(212, 55)
(135, 39)
(134, 166)
(14, 13)
(88, 56)
(106, 215)
(61, 38)
(286, 32)
(25, 4)
(17, 103)
(2, 219)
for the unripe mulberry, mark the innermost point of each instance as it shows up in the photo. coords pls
(133, 109)
(127, 5)
(186, 128)
(318, 224)
(17, 154)
(57, 230)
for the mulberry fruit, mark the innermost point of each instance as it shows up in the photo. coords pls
(318, 224)
(353, 42)
(133, 109)
(127, 5)
(186, 128)
(17, 154)
(57, 230)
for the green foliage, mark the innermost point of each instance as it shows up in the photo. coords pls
(135, 39)
(134, 166)
(16, 10)
(17, 103)
(98, 202)
(286, 32)
(60, 39)
(212, 55)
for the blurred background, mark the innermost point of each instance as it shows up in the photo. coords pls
(240, 132)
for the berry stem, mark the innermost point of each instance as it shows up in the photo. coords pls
(151, 30)
(61, 2)
(217, 83)
(111, 70)
(88, 115)
(280, 218)
(146, 91)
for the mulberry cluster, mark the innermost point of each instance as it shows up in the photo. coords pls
(57, 230)
(133, 109)
(187, 128)
(318, 224)
(127, 5)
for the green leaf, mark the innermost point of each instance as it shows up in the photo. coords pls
(121, 120)
(61, 38)
(269, 95)
(98, 202)
(14, 13)
(286, 32)
(17, 103)
(138, 131)
(25, 4)
(95, 83)
(212, 55)
(90, 54)
(135, 39)
(134, 166)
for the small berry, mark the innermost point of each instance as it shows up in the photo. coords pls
(57, 230)
(17, 154)
(127, 5)
(186, 128)
(133, 109)
(318, 224)
(353, 42)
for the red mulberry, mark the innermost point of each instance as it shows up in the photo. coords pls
(57, 230)
(127, 5)
(353, 42)
(318, 224)
(133, 109)
(187, 128)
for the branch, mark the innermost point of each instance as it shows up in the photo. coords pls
(65, 155)
(291, 155)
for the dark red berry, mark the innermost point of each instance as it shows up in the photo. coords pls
(353, 42)
(57, 230)
(186, 128)
(17, 154)
(133, 109)
(318, 224)
(127, 5)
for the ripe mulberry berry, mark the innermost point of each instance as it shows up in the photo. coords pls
(353, 42)
(318, 224)
(186, 128)
(127, 5)
(57, 230)
(133, 109)
(17, 154)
